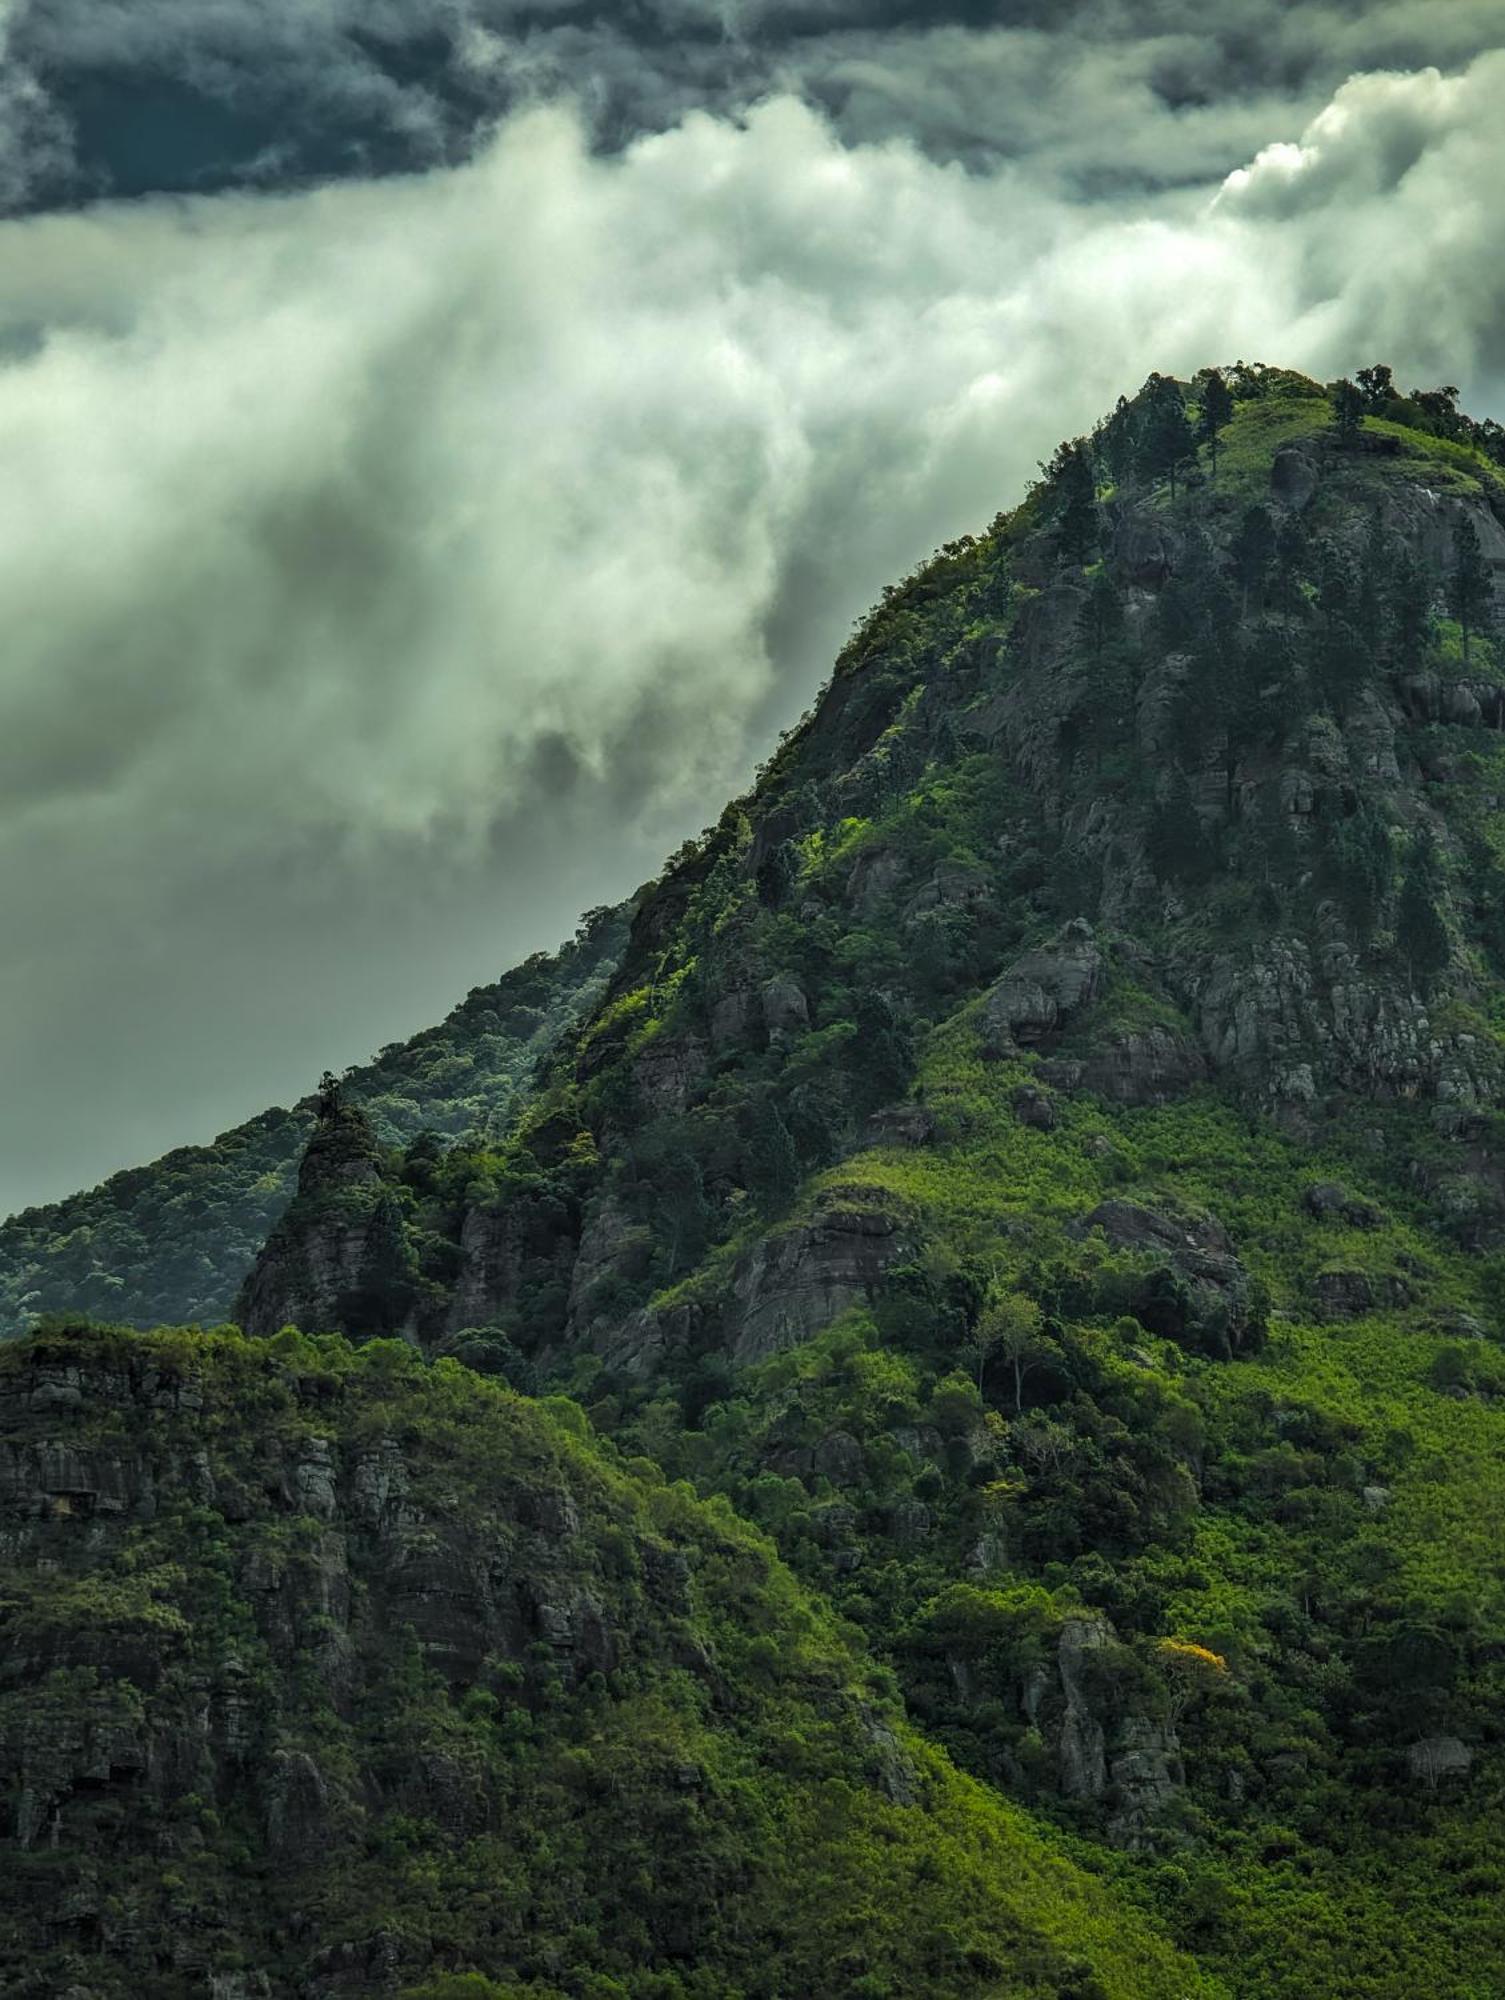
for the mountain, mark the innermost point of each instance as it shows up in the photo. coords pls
(171, 1242)
(1035, 1168)
(326, 1672)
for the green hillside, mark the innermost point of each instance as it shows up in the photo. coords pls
(327, 1671)
(1038, 1167)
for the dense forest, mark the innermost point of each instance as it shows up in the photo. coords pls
(946, 1438)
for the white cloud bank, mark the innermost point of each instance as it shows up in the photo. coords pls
(390, 570)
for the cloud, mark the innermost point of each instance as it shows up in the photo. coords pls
(202, 93)
(394, 568)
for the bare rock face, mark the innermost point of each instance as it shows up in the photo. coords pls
(323, 1549)
(614, 1251)
(793, 1283)
(668, 1073)
(875, 875)
(324, 1255)
(1434, 1761)
(775, 1008)
(499, 1244)
(1425, 521)
(955, 885)
(1146, 549)
(1082, 1749)
(1149, 1065)
(1045, 989)
(1146, 1774)
(1290, 1008)
(1293, 477)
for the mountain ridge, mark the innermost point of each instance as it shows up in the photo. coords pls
(1036, 1161)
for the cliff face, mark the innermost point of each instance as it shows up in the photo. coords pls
(329, 1674)
(332, 1257)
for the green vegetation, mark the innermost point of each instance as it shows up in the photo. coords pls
(418, 1684)
(1029, 1205)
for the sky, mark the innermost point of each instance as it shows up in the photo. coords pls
(445, 441)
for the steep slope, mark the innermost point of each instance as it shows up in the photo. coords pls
(327, 1673)
(1039, 1158)
(1038, 1163)
(172, 1241)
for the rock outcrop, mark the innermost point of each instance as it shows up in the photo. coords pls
(1196, 1291)
(326, 1261)
(1045, 989)
(797, 1280)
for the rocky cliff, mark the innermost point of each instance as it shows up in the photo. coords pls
(326, 1674)
(1038, 1160)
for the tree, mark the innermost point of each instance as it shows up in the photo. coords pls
(1348, 409)
(1009, 1329)
(1176, 841)
(1468, 582)
(1074, 482)
(1217, 409)
(1167, 441)
(1419, 930)
(1440, 407)
(1377, 385)
(1116, 440)
(386, 1288)
(886, 1045)
(1365, 860)
(1253, 551)
(1411, 598)
(1102, 618)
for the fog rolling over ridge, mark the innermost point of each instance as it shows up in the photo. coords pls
(397, 563)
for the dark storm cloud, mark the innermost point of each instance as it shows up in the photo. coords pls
(186, 93)
(392, 568)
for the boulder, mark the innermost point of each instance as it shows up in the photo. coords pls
(1343, 1294)
(784, 1009)
(1438, 1760)
(904, 1125)
(1293, 477)
(1330, 1201)
(1200, 1295)
(1034, 1107)
(1044, 990)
